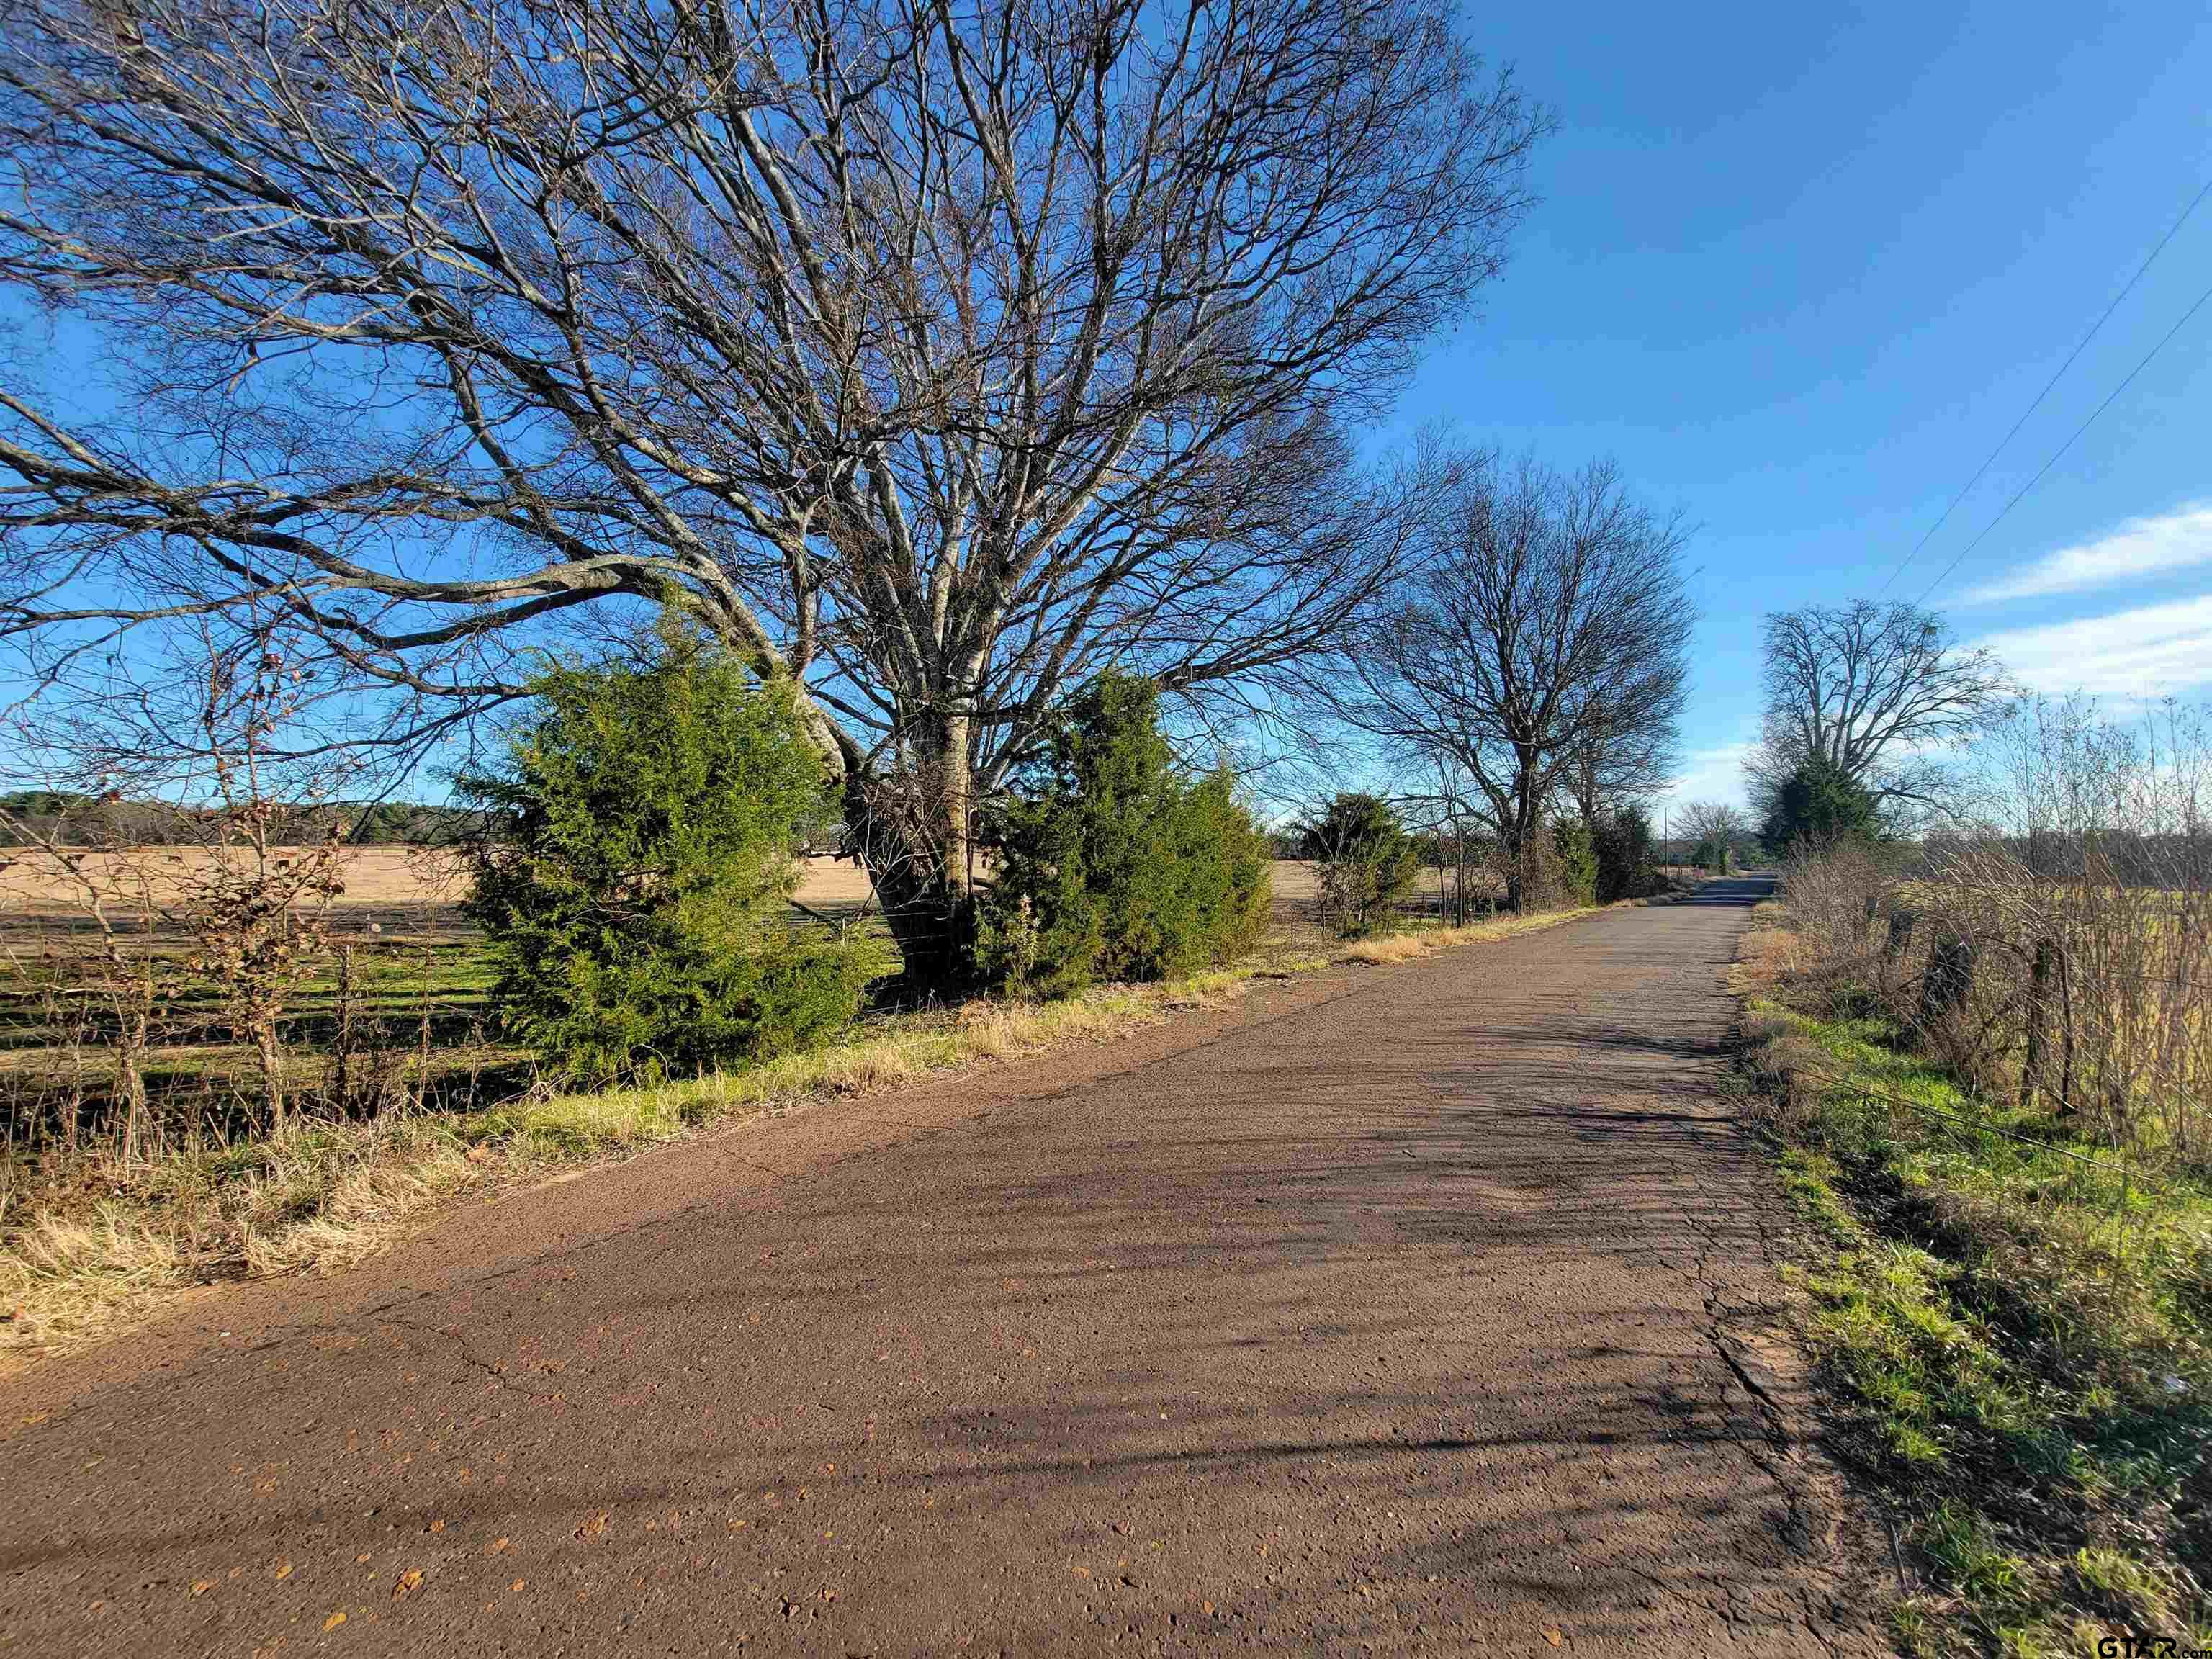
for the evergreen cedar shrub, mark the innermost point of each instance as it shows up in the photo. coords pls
(634, 889)
(1819, 802)
(1626, 866)
(1114, 865)
(1573, 864)
(1365, 863)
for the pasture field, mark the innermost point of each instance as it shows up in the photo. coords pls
(416, 888)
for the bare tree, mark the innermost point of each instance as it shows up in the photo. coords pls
(1876, 692)
(1539, 650)
(937, 357)
(1714, 822)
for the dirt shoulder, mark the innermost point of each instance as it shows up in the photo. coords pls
(1422, 1306)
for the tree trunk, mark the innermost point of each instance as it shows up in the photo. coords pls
(917, 847)
(1521, 853)
(955, 784)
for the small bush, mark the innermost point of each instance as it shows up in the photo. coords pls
(1365, 862)
(1116, 866)
(634, 882)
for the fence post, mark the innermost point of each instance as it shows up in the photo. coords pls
(342, 1053)
(2044, 970)
(1949, 978)
(2066, 1051)
(1900, 936)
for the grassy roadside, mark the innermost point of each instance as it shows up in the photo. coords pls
(1420, 942)
(2016, 1332)
(85, 1260)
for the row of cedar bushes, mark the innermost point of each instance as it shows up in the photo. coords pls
(1988, 1068)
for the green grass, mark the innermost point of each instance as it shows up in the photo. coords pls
(2018, 1332)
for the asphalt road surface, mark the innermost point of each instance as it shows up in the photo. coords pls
(1413, 1310)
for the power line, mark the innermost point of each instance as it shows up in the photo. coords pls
(2149, 260)
(2068, 444)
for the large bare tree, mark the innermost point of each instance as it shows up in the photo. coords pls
(1540, 648)
(1877, 692)
(937, 355)
(1715, 821)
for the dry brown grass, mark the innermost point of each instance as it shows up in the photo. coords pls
(1427, 941)
(375, 877)
(1766, 952)
(1390, 947)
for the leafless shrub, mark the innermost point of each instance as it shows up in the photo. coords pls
(256, 909)
(109, 997)
(1840, 900)
(227, 914)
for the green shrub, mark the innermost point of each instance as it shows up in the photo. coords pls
(1573, 865)
(1115, 864)
(1365, 863)
(633, 885)
(1626, 866)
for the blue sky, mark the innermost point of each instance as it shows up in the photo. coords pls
(1799, 270)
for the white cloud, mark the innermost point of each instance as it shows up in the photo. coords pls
(1715, 774)
(2141, 547)
(2151, 652)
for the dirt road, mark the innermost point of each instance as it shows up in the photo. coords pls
(1414, 1309)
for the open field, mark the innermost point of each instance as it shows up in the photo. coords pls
(408, 889)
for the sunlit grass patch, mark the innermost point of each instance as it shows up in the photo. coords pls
(1390, 947)
(2015, 1323)
(1415, 942)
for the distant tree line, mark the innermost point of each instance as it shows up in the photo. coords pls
(75, 819)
